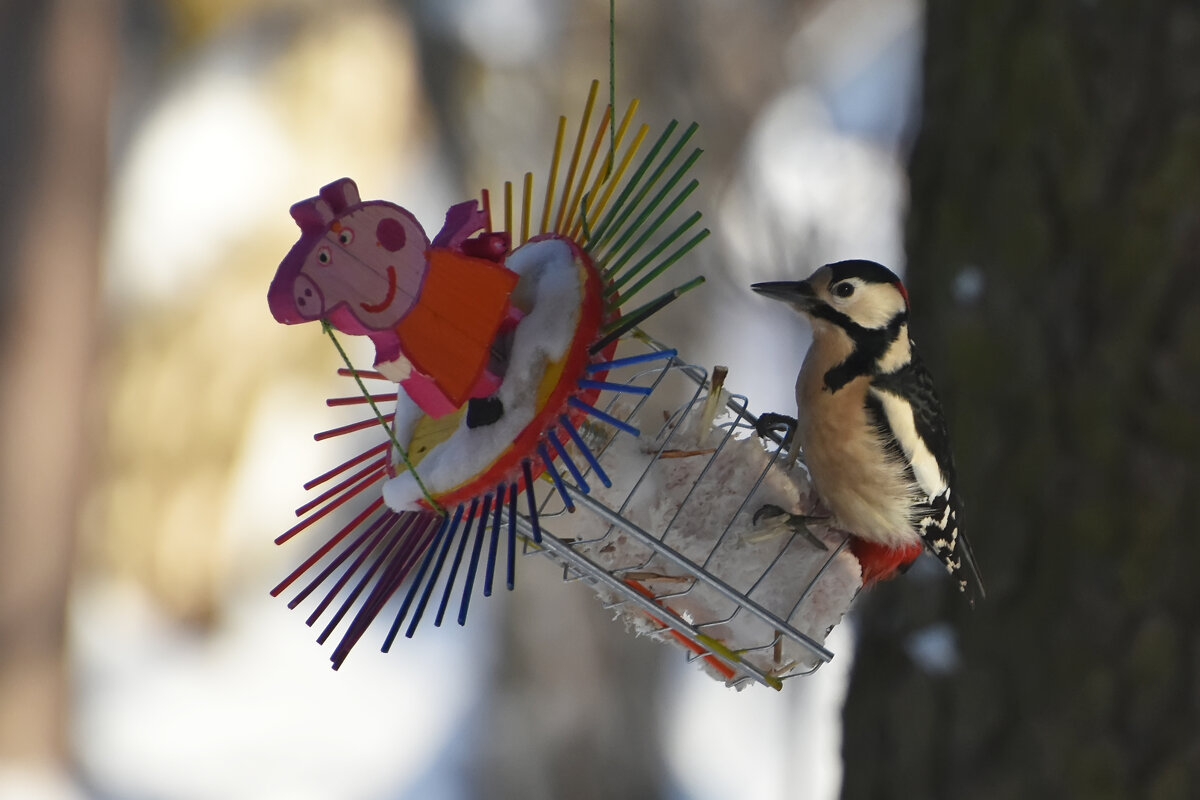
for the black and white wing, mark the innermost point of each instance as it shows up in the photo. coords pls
(912, 415)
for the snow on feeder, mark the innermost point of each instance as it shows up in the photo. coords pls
(521, 406)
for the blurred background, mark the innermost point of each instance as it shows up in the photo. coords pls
(1037, 165)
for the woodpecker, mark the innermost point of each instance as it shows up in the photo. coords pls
(869, 424)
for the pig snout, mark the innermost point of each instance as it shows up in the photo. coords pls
(307, 298)
(302, 302)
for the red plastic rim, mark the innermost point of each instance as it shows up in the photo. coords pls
(506, 468)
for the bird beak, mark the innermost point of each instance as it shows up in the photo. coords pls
(798, 293)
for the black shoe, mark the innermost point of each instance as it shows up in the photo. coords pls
(483, 411)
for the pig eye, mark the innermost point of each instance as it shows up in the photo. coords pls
(323, 255)
(346, 236)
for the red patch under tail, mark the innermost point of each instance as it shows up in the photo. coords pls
(879, 562)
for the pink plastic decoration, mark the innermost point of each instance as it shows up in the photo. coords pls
(433, 310)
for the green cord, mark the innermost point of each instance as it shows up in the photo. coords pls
(328, 329)
(612, 77)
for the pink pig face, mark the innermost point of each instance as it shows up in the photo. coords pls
(359, 265)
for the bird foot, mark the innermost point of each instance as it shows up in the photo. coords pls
(780, 519)
(770, 421)
(766, 427)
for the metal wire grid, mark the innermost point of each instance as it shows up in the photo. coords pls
(670, 609)
(702, 605)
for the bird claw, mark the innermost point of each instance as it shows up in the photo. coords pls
(796, 522)
(770, 421)
(766, 511)
(813, 539)
(766, 426)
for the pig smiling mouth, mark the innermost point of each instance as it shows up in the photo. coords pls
(375, 308)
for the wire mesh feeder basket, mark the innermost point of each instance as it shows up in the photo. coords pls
(516, 401)
(653, 507)
(672, 545)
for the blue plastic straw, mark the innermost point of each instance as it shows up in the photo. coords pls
(431, 550)
(533, 514)
(512, 536)
(587, 453)
(494, 543)
(575, 402)
(566, 460)
(437, 571)
(628, 388)
(454, 565)
(558, 484)
(473, 566)
(630, 360)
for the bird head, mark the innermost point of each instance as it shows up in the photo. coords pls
(862, 294)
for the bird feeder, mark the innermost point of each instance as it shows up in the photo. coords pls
(518, 407)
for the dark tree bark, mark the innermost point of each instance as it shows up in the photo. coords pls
(1054, 263)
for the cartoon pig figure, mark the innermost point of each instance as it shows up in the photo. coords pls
(434, 310)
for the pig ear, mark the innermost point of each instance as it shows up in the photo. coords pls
(340, 194)
(312, 214)
(462, 220)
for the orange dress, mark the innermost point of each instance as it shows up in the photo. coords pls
(448, 333)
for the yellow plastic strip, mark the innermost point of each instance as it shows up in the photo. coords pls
(579, 138)
(595, 211)
(601, 131)
(486, 198)
(558, 143)
(605, 173)
(734, 657)
(508, 228)
(526, 203)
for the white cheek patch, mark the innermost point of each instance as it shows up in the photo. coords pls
(924, 466)
(871, 306)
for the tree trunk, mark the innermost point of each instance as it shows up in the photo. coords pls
(62, 55)
(1054, 264)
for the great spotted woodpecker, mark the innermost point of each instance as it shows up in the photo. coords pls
(869, 424)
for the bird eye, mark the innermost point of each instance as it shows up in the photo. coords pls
(346, 236)
(843, 289)
(323, 255)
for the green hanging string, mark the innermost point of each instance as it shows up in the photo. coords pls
(610, 161)
(612, 80)
(328, 329)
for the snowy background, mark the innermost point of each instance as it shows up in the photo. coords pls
(186, 680)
